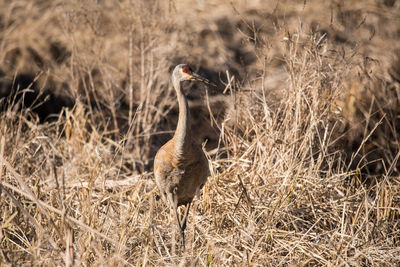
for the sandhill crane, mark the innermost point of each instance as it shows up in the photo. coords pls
(180, 166)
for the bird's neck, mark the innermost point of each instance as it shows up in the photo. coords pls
(182, 134)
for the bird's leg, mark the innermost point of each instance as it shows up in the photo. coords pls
(174, 203)
(183, 225)
(185, 217)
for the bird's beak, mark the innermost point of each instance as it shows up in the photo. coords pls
(197, 77)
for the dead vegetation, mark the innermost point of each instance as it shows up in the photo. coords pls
(302, 132)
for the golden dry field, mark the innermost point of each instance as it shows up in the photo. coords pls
(302, 131)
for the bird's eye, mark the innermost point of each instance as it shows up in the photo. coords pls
(186, 69)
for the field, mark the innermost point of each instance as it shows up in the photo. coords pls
(302, 132)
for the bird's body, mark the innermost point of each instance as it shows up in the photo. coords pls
(180, 166)
(186, 172)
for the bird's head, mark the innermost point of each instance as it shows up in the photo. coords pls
(183, 72)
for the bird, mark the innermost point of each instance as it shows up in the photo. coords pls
(180, 166)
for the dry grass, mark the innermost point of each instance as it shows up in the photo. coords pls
(302, 132)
